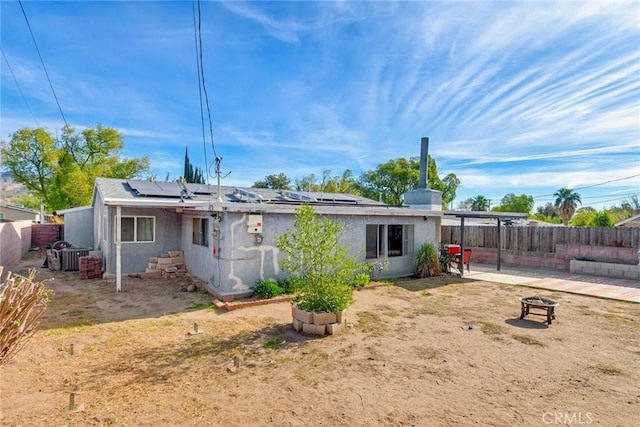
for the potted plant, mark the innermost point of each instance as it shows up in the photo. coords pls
(314, 254)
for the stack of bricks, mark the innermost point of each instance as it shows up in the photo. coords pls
(90, 267)
(168, 265)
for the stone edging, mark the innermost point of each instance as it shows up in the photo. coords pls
(234, 305)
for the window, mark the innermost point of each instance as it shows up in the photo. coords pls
(201, 231)
(389, 240)
(137, 228)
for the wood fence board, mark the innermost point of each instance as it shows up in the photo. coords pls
(543, 239)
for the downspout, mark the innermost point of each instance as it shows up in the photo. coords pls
(118, 252)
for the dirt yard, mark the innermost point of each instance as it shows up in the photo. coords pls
(438, 352)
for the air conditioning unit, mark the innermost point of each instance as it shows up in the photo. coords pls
(70, 257)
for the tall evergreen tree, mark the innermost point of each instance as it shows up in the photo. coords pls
(191, 174)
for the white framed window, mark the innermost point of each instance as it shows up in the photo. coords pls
(201, 231)
(138, 229)
(389, 240)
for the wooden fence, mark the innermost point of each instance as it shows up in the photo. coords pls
(542, 239)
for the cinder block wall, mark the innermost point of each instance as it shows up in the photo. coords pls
(46, 234)
(15, 241)
(559, 260)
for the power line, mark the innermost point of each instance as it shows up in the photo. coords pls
(42, 62)
(195, 35)
(19, 89)
(204, 85)
(594, 185)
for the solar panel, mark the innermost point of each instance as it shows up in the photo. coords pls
(159, 189)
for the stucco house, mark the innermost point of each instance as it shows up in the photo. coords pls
(228, 239)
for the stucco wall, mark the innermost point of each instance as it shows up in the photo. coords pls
(78, 228)
(15, 241)
(239, 262)
(12, 214)
(135, 255)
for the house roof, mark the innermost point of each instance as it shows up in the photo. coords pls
(70, 210)
(20, 209)
(633, 218)
(119, 192)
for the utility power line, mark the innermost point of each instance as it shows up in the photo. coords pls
(595, 185)
(19, 89)
(42, 62)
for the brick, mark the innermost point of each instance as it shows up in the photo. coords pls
(301, 315)
(334, 328)
(297, 325)
(324, 318)
(308, 328)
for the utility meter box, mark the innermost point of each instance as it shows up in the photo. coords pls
(254, 224)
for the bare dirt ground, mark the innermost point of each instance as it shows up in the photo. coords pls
(408, 357)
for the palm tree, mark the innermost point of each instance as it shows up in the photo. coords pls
(479, 203)
(566, 202)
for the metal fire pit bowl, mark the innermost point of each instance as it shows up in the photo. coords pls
(537, 302)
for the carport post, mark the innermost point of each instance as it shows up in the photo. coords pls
(118, 237)
(499, 242)
(461, 263)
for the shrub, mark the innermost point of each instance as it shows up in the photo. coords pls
(290, 285)
(314, 253)
(266, 289)
(360, 280)
(428, 262)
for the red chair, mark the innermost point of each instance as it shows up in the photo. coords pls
(466, 259)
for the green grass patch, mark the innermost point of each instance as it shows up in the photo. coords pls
(609, 369)
(526, 339)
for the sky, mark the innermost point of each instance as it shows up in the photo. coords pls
(515, 97)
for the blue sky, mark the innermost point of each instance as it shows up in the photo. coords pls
(516, 97)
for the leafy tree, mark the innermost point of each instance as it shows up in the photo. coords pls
(512, 203)
(306, 183)
(479, 203)
(314, 253)
(345, 183)
(584, 217)
(61, 170)
(27, 200)
(276, 182)
(566, 202)
(603, 219)
(465, 205)
(397, 176)
(191, 174)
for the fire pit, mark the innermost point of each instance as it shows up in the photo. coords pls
(537, 302)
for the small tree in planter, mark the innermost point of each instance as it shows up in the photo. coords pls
(314, 254)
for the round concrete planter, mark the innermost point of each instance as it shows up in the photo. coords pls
(317, 323)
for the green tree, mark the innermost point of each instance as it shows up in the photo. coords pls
(603, 219)
(397, 176)
(512, 203)
(191, 174)
(314, 253)
(583, 217)
(276, 182)
(479, 203)
(566, 202)
(27, 200)
(61, 170)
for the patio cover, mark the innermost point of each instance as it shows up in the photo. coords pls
(500, 216)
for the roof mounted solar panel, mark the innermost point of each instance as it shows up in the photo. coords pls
(249, 195)
(293, 195)
(155, 189)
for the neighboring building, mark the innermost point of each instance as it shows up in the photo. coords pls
(78, 228)
(634, 221)
(18, 213)
(229, 240)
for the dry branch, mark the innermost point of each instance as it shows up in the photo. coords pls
(22, 302)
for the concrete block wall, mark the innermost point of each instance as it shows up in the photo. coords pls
(605, 269)
(46, 234)
(605, 253)
(539, 260)
(15, 241)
